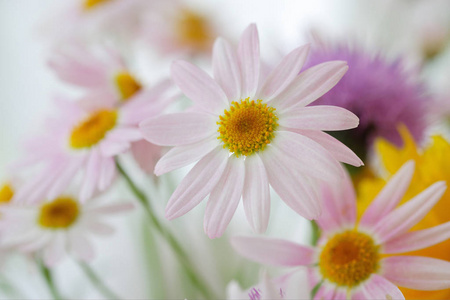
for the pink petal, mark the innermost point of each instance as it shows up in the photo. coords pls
(389, 196)
(226, 69)
(406, 216)
(416, 272)
(110, 209)
(111, 148)
(199, 86)
(55, 250)
(224, 198)
(416, 240)
(296, 190)
(64, 179)
(178, 129)
(146, 155)
(256, 194)
(321, 117)
(273, 251)
(339, 203)
(248, 56)
(197, 184)
(81, 247)
(310, 85)
(379, 288)
(100, 228)
(284, 73)
(107, 173)
(182, 156)
(125, 134)
(338, 150)
(308, 156)
(91, 176)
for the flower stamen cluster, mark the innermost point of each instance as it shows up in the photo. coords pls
(59, 214)
(247, 127)
(127, 85)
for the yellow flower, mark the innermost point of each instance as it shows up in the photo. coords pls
(432, 164)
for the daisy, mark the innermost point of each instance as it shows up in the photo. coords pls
(357, 259)
(246, 134)
(57, 226)
(176, 28)
(84, 140)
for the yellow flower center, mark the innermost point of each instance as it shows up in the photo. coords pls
(193, 30)
(349, 258)
(6, 194)
(93, 129)
(90, 4)
(247, 127)
(127, 85)
(59, 214)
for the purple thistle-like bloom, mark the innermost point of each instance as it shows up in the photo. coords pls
(381, 93)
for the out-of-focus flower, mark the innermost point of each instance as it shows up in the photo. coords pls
(379, 92)
(84, 139)
(176, 28)
(56, 226)
(248, 135)
(357, 260)
(433, 164)
(81, 19)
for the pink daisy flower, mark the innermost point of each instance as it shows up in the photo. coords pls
(357, 259)
(84, 140)
(247, 133)
(57, 226)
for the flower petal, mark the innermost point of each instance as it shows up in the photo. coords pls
(226, 69)
(81, 247)
(197, 184)
(256, 194)
(337, 149)
(178, 129)
(146, 155)
(308, 156)
(181, 156)
(310, 85)
(55, 250)
(404, 217)
(417, 272)
(296, 190)
(224, 198)
(273, 251)
(416, 240)
(248, 56)
(321, 117)
(91, 176)
(284, 73)
(379, 287)
(199, 86)
(390, 195)
(339, 205)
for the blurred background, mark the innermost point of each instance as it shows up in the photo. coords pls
(416, 33)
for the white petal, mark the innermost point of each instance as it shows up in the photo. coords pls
(256, 194)
(310, 85)
(55, 250)
(224, 198)
(284, 73)
(182, 156)
(81, 247)
(248, 56)
(226, 69)
(199, 86)
(179, 128)
(197, 184)
(91, 176)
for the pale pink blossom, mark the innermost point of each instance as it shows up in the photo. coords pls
(357, 259)
(57, 226)
(247, 133)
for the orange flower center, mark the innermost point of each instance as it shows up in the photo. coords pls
(349, 258)
(90, 4)
(93, 129)
(193, 30)
(247, 127)
(6, 193)
(59, 214)
(127, 85)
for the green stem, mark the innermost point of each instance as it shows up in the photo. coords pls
(315, 235)
(47, 273)
(97, 282)
(183, 258)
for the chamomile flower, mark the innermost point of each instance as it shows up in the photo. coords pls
(357, 259)
(54, 227)
(246, 134)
